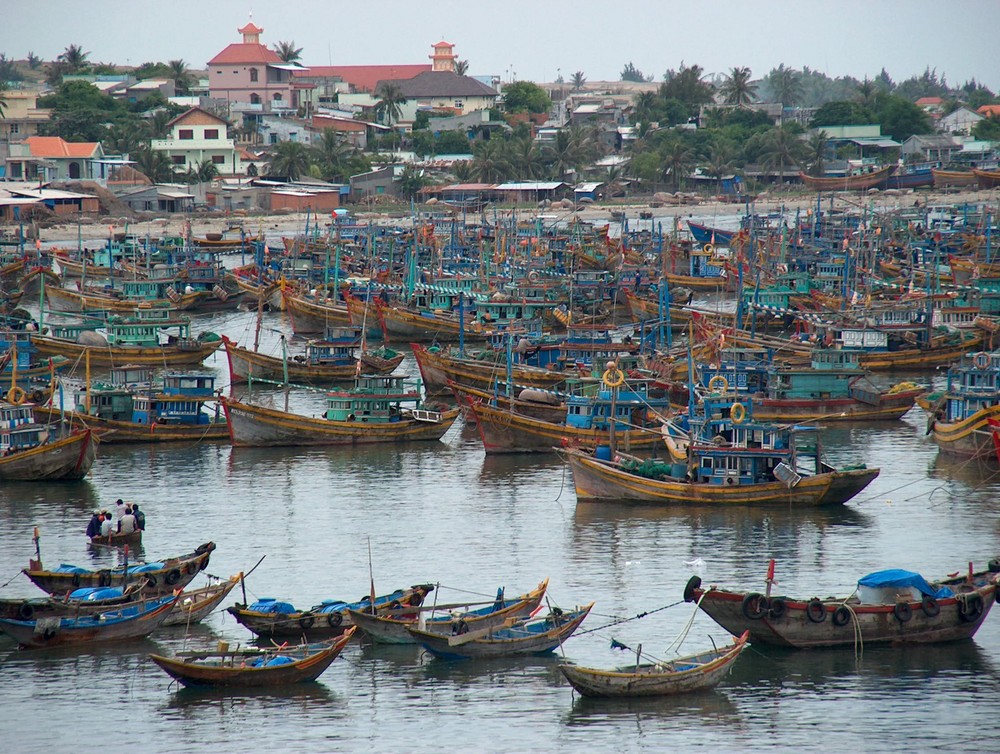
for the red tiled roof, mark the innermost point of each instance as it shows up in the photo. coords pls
(197, 110)
(239, 52)
(989, 111)
(250, 28)
(54, 146)
(930, 101)
(320, 122)
(364, 78)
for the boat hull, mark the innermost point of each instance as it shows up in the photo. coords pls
(115, 432)
(245, 365)
(889, 407)
(312, 317)
(438, 369)
(850, 182)
(196, 604)
(68, 458)
(112, 356)
(970, 438)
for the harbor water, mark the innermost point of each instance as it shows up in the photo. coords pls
(445, 513)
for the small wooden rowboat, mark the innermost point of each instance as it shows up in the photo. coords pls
(132, 620)
(161, 577)
(391, 628)
(196, 604)
(118, 539)
(680, 676)
(524, 637)
(250, 668)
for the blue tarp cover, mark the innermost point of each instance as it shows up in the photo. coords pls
(271, 605)
(146, 567)
(96, 593)
(66, 568)
(897, 577)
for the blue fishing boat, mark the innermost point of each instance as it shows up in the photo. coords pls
(959, 418)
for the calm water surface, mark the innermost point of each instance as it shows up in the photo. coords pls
(444, 513)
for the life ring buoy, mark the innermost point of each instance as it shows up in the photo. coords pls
(16, 395)
(693, 583)
(754, 606)
(902, 611)
(718, 384)
(334, 619)
(930, 606)
(778, 608)
(307, 620)
(533, 276)
(613, 378)
(816, 611)
(173, 576)
(981, 360)
(841, 616)
(708, 248)
(738, 413)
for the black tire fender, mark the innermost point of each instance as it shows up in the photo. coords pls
(902, 611)
(104, 578)
(778, 608)
(693, 583)
(307, 620)
(841, 616)
(173, 576)
(816, 611)
(930, 606)
(755, 606)
(334, 619)
(26, 611)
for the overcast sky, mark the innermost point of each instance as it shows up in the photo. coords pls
(537, 40)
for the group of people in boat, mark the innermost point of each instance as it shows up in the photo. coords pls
(126, 519)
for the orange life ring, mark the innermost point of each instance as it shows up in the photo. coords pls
(16, 395)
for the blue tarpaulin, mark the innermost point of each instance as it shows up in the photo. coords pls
(897, 577)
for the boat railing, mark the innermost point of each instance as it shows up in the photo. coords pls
(423, 415)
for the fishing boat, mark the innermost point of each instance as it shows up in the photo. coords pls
(78, 602)
(438, 367)
(987, 178)
(30, 451)
(372, 411)
(534, 636)
(334, 359)
(887, 607)
(20, 365)
(959, 418)
(272, 618)
(132, 620)
(681, 675)
(954, 177)
(159, 577)
(130, 340)
(456, 618)
(132, 408)
(118, 539)
(253, 668)
(311, 313)
(199, 603)
(850, 182)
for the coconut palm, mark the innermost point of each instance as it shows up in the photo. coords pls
(289, 159)
(288, 52)
(489, 163)
(388, 108)
(461, 67)
(720, 164)
(781, 148)
(3, 99)
(181, 76)
(737, 89)
(786, 85)
(154, 164)
(525, 158)
(122, 139)
(564, 153)
(463, 170)
(156, 124)
(333, 154)
(677, 160)
(74, 58)
(867, 92)
(815, 151)
(645, 104)
(206, 170)
(578, 81)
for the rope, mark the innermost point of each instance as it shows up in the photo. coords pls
(619, 621)
(675, 645)
(12, 579)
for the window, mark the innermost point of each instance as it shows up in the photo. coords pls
(211, 133)
(185, 134)
(15, 128)
(458, 104)
(218, 159)
(272, 138)
(177, 159)
(255, 99)
(253, 74)
(277, 97)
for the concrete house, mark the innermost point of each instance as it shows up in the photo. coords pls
(199, 135)
(249, 77)
(930, 148)
(22, 116)
(959, 121)
(49, 158)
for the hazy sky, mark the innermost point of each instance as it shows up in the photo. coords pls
(537, 40)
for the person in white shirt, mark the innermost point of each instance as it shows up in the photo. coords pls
(119, 509)
(127, 524)
(107, 527)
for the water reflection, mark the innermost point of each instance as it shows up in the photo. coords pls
(709, 707)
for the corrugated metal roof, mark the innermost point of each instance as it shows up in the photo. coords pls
(530, 186)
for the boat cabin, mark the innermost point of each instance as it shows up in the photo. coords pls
(18, 430)
(374, 398)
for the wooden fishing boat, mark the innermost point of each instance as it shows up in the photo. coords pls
(120, 623)
(406, 324)
(159, 577)
(538, 404)
(324, 362)
(118, 539)
(682, 675)
(995, 432)
(858, 182)
(888, 607)
(271, 618)
(311, 314)
(438, 368)
(371, 412)
(954, 177)
(987, 178)
(253, 668)
(536, 636)
(196, 604)
(959, 418)
(32, 452)
(457, 618)
(78, 602)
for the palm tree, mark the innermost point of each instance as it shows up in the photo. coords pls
(333, 153)
(815, 151)
(3, 99)
(578, 81)
(390, 99)
(288, 52)
(289, 159)
(614, 181)
(179, 73)
(461, 67)
(720, 164)
(489, 163)
(677, 161)
(463, 170)
(33, 61)
(786, 84)
(156, 126)
(867, 92)
(206, 170)
(781, 148)
(122, 139)
(74, 58)
(564, 153)
(645, 103)
(737, 89)
(154, 164)
(525, 158)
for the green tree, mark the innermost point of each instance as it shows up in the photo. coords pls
(181, 76)
(489, 162)
(4, 86)
(737, 89)
(333, 155)
(815, 152)
(688, 87)
(631, 73)
(578, 81)
(901, 118)
(720, 164)
(464, 171)
(154, 164)
(452, 142)
(677, 159)
(867, 93)
(526, 159)
(33, 61)
(783, 85)
(289, 159)
(525, 96)
(462, 67)
(388, 109)
(156, 124)
(288, 52)
(782, 148)
(74, 58)
(988, 129)
(841, 113)
(410, 181)
(8, 69)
